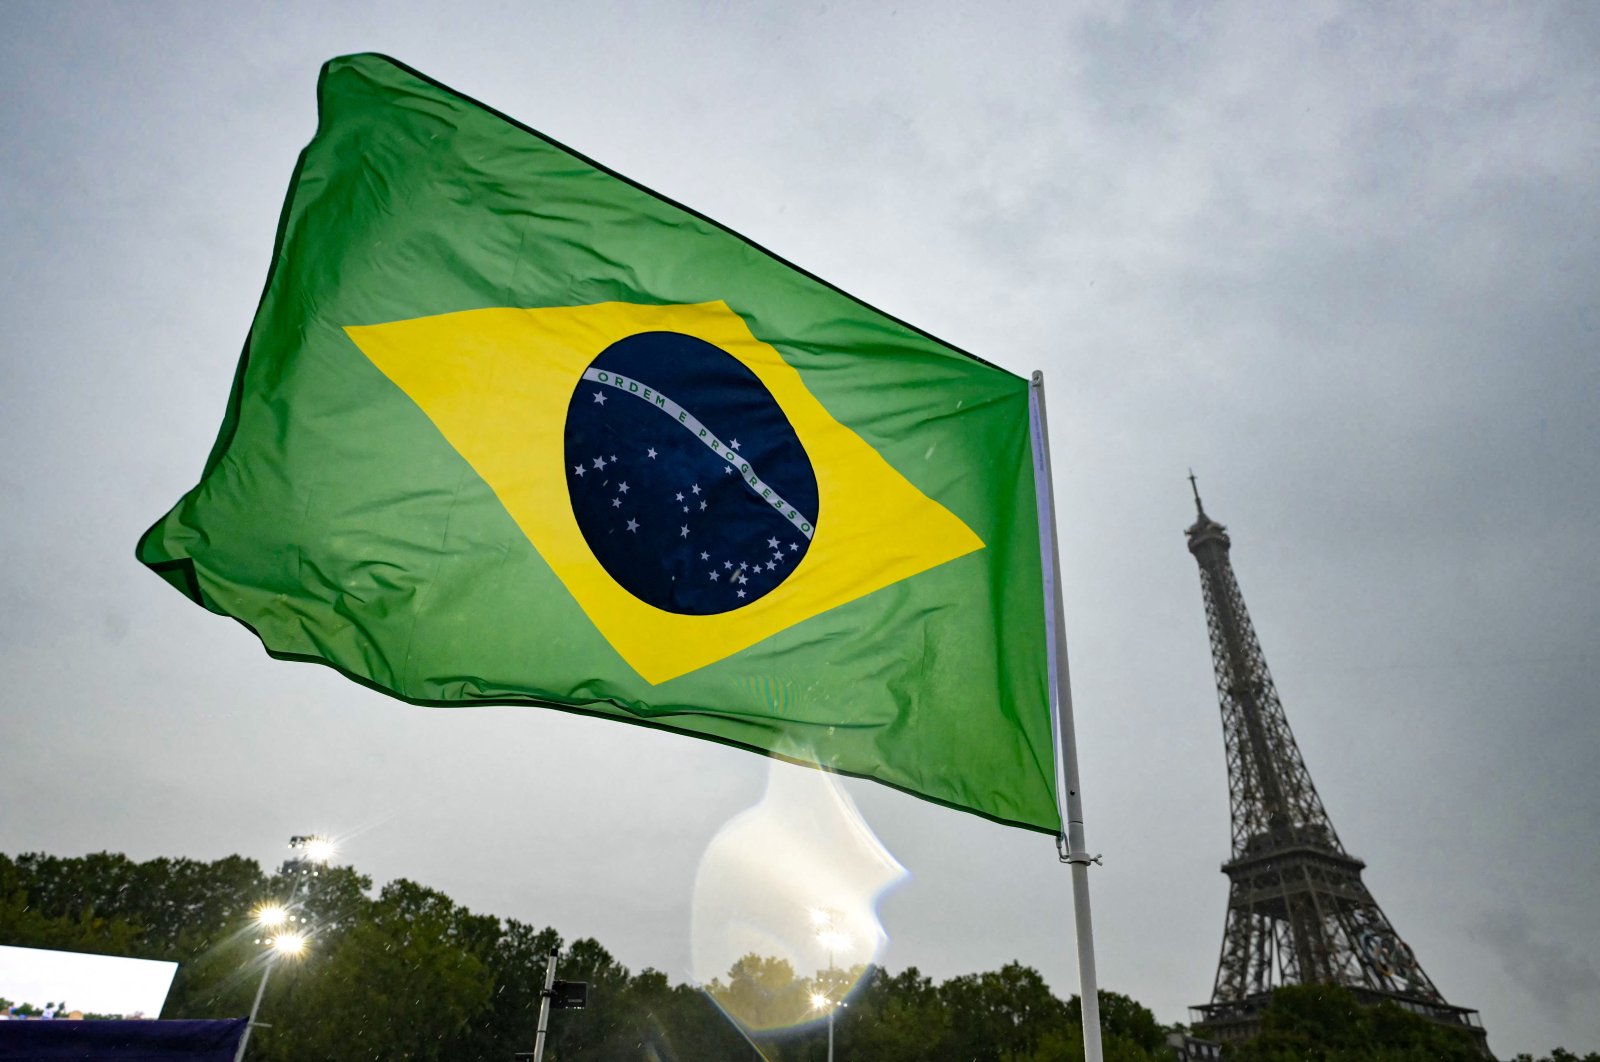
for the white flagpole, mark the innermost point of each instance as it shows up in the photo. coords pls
(1071, 842)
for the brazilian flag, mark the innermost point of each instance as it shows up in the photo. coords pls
(511, 429)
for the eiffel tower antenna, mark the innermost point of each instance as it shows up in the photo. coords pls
(1298, 911)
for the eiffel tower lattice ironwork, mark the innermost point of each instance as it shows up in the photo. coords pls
(1298, 911)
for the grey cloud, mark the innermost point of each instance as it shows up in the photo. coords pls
(1555, 977)
(1340, 259)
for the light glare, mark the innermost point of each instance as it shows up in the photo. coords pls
(780, 882)
(271, 914)
(289, 943)
(833, 940)
(320, 850)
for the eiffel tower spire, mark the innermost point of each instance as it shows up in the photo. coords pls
(1298, 911)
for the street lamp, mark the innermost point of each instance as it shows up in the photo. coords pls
(279, 922)
(832, 938)
(822, 1001)
(289, 944)
(271, 915)
(317, 849)
(281, 943)
(312, 853)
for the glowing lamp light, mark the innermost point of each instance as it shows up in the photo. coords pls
(271, 914)
(320, 850)
(820, 1001)
(289, 943)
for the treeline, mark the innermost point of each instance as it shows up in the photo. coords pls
(407, 973)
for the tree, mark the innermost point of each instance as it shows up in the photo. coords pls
(180, 904)
(411, 974)
(25, 921)
(583, 1034)
(895, 1018)
(1327, 1023)
(516, 965)
(1000, 1015)
(1123, 1018)
(405, 981)
(762, 993)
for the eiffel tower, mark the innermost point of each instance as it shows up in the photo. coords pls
(1298, 912)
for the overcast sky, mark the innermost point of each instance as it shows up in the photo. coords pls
(1345, 264)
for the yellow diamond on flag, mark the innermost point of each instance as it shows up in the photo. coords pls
(502, 387)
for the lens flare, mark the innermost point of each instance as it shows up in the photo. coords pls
(785, 916)
(289, 943)
(834, 941)
(271, 914)
(320, 850)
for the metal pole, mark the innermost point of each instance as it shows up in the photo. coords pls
(261, 990)
(255, 1008)
(544, 1005)
(833, 986)
(1071, 842)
